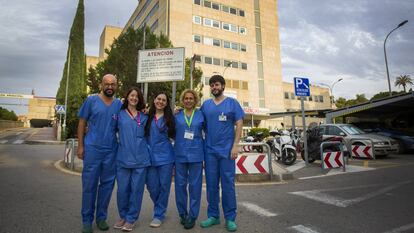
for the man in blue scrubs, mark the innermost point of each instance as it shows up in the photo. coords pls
(221, 114)
(97, 148)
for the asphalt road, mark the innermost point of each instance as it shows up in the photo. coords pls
(36, 197)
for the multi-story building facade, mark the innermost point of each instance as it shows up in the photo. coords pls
(237, 39)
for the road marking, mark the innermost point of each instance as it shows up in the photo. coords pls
(349, 169)
(18, 141)
(297, 166)
(303, 229)
(3, 141)
(319, 195)
(257, 209)
(402, 228)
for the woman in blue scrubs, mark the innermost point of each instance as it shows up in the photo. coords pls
(189, 156)
(133, 159)
(160, 130)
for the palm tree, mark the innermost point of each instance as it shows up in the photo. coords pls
(403, 80)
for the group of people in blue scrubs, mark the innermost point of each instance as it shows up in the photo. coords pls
(144, 154)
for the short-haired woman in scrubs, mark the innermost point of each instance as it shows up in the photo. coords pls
(189, 156)
(160, 130)
(133, 159)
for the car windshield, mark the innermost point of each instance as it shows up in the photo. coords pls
(353, 130)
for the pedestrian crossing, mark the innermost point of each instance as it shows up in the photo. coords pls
(15, 142)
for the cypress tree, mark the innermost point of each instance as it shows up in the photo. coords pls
(76, 66)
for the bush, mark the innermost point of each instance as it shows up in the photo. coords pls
(254, 131)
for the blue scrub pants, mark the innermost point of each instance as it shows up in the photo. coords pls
(221, 169)
(98, 168)
(158, 185)
(191, 175)
(131, 183)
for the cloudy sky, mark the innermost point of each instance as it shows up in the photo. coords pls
(321, 39)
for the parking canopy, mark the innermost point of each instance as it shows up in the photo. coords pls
(391, 107)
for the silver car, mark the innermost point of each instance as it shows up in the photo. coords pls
(353, 135)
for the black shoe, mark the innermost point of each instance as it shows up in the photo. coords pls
(183, 218)
(102, 225)
(189, 223)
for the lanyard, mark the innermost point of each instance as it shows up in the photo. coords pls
(138, 116)
(191, 118)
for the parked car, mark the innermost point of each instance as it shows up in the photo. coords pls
(382, 145)
(405, 139)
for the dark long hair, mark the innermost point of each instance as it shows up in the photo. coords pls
(168, 116)
(141, 102)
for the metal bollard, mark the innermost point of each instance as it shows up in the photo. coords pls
(267, 151)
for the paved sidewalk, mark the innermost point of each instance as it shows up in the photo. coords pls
(43, 136)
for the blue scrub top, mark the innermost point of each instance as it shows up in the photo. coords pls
(220, 134)
(162, 152)
(133, 151)
(187, 150)
(101, 120)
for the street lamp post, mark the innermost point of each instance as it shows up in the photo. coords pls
(192, 63)
(331, 89)
(385, 54)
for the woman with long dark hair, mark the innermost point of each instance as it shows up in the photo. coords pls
(160, 129)
(133, 159)
(189, 152)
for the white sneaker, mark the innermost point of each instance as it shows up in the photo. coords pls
(155, 223)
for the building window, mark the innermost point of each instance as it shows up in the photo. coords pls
(216, 61)
(208, 60)
(207, 4)
(287, 95)
(241, 13)
(242, 30)
(197, 2)
(245, 104)
(244, 65)
(226, 26)
(216, 24)
(208, 41)
(233, 28)
(225, 8)
(243, 48)
(316, 98)
(235, 46)
(236, 84)
(310, 98)
(206, 81)
(211, 23)
(197, 58)
(227, 63)
(207, 22)
(235, 64)
(196, 19)
(321, 98)
(215, 6)
(226, 44)
(217, 42)
(233, 11)
(197, 38)
(245, 85)
(292, 96)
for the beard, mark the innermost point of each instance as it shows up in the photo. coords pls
(109, 92)
(217, 93)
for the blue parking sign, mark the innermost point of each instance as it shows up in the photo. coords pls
(301, 86)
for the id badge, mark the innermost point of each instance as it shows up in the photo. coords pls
(222, 117)
(189, 135)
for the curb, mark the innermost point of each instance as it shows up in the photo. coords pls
(58, 165)
(44, 142)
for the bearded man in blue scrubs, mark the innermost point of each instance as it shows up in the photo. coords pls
(97, 148)
(221, 114)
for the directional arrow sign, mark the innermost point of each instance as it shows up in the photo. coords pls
(362, 151)
(332, 159)
(252, 163)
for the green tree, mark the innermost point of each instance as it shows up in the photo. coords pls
(340, 102)
(75, 65)
(7, 115)
(122, 60)
(403, 80)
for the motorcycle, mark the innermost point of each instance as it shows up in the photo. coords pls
(314, 140)
(258, 137)
(282, 148)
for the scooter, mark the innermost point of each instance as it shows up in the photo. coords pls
(281, 146)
